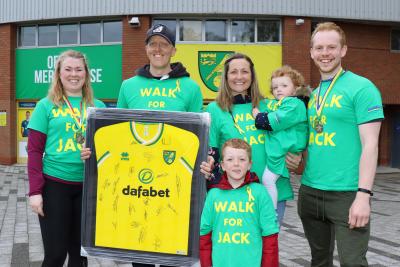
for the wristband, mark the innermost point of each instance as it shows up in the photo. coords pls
(365, 191)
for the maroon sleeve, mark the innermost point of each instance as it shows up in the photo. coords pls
(205, 250)
(36, 145)
(270, 252)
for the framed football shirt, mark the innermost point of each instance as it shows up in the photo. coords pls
(143, 192)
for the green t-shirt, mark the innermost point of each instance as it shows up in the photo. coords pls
(62, 153)
(334, 154)
(222, 128)
(238, 219)
(288, 120)
(174, 94)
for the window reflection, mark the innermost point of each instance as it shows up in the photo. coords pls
(48, 35)
(243, 31)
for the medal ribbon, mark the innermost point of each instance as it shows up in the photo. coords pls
(78, 121)
(319, 106)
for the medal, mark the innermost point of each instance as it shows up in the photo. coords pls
(79, 138)
(317, 124)
(319, 127)
(79, 121)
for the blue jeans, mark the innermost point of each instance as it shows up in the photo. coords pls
(280, 210)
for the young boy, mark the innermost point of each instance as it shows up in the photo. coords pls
(238, 224)
(285, 122)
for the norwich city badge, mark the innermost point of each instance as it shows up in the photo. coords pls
(169, 156)
(211, 66)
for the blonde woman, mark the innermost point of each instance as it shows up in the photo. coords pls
(55, 170)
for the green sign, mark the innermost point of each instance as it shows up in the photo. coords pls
(211, 66)
(35, 68)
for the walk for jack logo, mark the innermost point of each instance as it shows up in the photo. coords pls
(145, 176)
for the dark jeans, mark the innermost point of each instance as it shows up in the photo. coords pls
(61, 224)
(325, 215)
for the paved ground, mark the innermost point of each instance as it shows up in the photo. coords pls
(20, 240)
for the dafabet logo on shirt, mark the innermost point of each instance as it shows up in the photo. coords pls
(145, 176)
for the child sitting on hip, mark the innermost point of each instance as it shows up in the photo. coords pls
(285, 122)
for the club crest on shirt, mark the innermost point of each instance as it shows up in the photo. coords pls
(169, 156)
(211, 66)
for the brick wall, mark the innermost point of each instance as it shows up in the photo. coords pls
(295, 45)
(133, 54)
(369, 55)
(8, 136)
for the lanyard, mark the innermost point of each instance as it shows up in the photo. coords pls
(319, 106)
(78, 120)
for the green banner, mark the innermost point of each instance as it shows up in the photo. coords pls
(35, 68)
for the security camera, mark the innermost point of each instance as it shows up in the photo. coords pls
(134, 22)
(299, 21)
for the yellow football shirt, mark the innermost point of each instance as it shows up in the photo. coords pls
(144, 186)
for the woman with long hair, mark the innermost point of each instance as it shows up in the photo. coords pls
(56, 136)
(231, 117)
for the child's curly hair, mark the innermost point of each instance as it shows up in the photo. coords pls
(296, 77)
